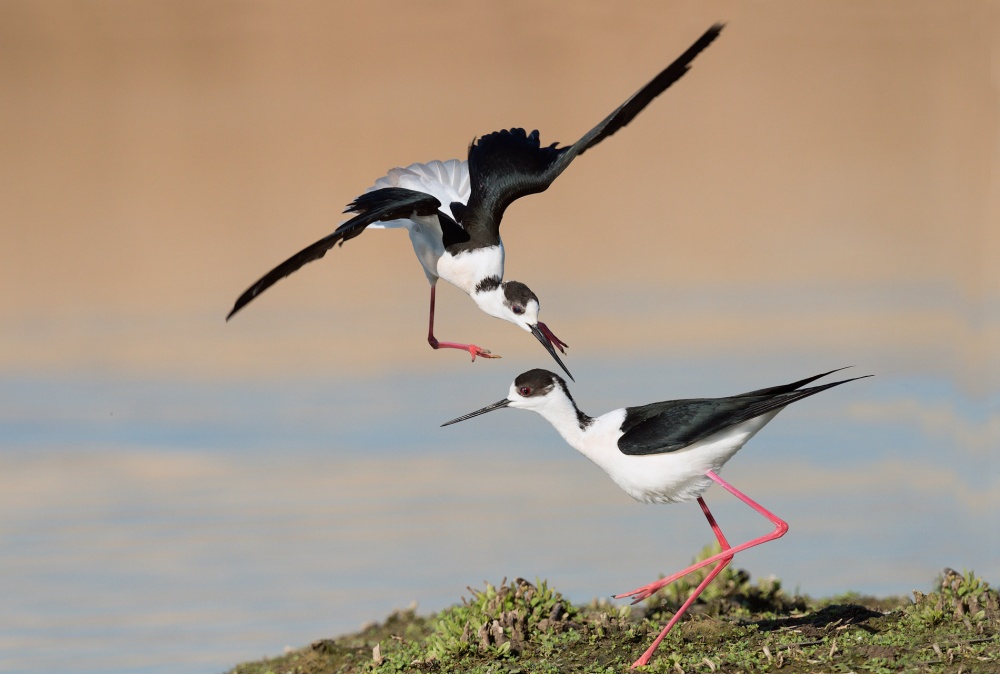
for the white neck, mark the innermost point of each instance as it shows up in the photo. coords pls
(491, 302)
(597, 440)
(560, 411)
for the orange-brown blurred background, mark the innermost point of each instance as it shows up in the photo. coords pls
(160, 156)
(820, 190)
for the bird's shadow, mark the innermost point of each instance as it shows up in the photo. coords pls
(835, 615)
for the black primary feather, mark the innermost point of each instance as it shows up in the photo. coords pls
(388, 203)
(507, 165)
(668, 426)
(503, 166)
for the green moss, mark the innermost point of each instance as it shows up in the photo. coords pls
(740, 627)
(961, 597)
(499, 620)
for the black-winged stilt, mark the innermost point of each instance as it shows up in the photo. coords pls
(664, 452)
(453, 209)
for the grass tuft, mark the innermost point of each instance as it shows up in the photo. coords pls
(740, 626)
(500, 620)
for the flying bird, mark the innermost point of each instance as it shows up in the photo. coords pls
(452, 211)
(665, 452)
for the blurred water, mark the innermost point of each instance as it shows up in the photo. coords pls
(166, 526)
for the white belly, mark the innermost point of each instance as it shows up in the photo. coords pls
(425, 235)
(672, 477)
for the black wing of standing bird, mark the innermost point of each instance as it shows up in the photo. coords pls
(388, 203)
(507, 165)
(668, 426)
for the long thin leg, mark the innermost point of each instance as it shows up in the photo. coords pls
(780, 527)
(724, 545)
(435, 344)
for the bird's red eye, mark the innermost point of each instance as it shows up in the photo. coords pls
(524, 391)
(517, 310)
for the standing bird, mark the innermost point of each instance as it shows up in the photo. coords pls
(664, 452)
(453, 209)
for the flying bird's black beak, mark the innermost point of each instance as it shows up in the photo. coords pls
(549, 341)
(489, 408)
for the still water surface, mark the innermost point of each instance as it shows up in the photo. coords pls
(183, 527)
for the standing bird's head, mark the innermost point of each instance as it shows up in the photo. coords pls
(536, 390)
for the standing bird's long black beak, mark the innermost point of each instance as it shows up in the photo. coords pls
(489, 408)
(539, 333)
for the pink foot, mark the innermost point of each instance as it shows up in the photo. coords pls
(476, 351)
(471, 348)
(646, 591)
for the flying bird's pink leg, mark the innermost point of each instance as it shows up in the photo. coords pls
(435, 344)
(780, 527)
(724, 544)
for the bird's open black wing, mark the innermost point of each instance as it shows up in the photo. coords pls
(389, 203)
(507, 165)
(675, 424)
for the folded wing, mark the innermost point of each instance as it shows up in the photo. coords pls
(675, 424)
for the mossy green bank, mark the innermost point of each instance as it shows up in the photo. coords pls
(736, 626)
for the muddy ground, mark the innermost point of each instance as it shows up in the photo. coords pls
(737, 626)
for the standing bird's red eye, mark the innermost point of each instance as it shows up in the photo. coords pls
(524, 391)
(517, 309)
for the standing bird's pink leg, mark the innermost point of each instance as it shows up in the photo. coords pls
(724, 544)
(435, 344)
(780, 527)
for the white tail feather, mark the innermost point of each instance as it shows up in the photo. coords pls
(447, 181)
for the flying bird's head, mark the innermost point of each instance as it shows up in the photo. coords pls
(515, 302)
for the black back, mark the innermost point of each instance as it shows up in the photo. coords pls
(668, 426)
(507, 165)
